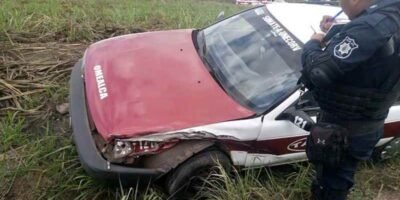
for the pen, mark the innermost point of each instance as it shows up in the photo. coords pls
(312, 28)
(337, 14)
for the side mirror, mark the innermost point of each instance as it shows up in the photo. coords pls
(221, 16)
(298, 118)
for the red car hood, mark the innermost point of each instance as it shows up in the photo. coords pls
(152, 82)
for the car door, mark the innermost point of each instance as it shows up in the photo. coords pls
(281, 141)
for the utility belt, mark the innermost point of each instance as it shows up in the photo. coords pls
(355, 127)
(357, 103)
(327, 144)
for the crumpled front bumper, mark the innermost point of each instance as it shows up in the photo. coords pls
(91, 159)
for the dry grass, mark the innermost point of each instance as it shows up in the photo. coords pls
(33, 68)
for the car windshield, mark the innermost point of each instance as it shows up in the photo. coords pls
(252, 57)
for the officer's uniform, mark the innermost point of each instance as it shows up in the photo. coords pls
(355, 80)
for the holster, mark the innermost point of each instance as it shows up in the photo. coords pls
(327, 144)
(306, 80)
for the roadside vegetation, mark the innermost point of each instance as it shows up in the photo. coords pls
(39, 43)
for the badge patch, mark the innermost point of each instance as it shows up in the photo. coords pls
(344, 49)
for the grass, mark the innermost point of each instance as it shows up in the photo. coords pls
(75, 20)
(11, 132)
(374, 181)
(288, 182)
(47, 167)
(39, 42)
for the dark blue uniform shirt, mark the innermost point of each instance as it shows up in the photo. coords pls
(357, 54)
(354, 47)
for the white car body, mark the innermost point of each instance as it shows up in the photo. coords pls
(266, 129)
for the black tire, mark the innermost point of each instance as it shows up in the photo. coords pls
(184, 181)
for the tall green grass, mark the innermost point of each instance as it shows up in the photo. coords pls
(47, 167)
(289, 182)
(11, 132)
(77, 20)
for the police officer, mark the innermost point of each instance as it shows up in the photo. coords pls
(355, 78)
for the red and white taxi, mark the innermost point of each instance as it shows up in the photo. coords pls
(169, 104)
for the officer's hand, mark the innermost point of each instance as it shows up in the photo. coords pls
(318, 36)
(326, 23)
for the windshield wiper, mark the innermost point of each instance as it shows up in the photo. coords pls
(201, 40)
(203, 51)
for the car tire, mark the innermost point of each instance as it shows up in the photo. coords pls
(386, 151)
(183, 182)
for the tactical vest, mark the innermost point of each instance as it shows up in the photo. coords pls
(349, 102)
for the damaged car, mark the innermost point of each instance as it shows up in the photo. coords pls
(171, 105)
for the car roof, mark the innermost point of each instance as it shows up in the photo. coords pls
(298, 18)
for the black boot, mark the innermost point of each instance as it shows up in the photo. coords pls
(331, 194)
(316, 191)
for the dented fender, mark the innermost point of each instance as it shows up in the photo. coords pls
(173, 157)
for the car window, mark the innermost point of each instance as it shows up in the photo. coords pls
(254, 58)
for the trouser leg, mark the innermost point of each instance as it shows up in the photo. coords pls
(335, 183)
(330, 194)
(316, 190)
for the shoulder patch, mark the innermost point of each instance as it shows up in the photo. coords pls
(344, 49)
